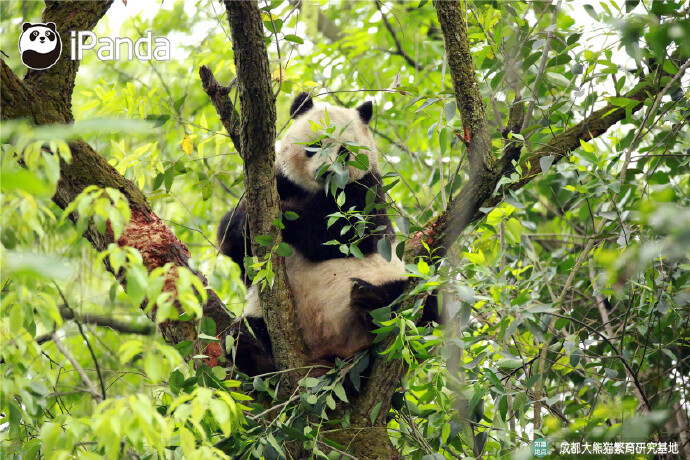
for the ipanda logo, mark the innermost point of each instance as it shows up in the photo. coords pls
(40, 46)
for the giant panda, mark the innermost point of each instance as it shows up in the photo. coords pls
(333, 293)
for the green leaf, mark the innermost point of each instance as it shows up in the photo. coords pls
(340, 392)
(208, 338)
(507, 363)
(289, 215)
(354, 250)
(375, 412)
(546, 162)
(264, 240)
(384, 248)
(284, 250)
(621, 101)
(185, 348)
(294, 39)
(259, 384)
(27, 181)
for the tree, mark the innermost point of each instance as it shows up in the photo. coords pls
(555, 223)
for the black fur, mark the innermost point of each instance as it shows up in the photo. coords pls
(366, 111)
(308, 233)
(253, 351)
(366, 297)
(302, 104)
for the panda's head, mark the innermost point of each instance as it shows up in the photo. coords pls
(326, 138)
(42, 38)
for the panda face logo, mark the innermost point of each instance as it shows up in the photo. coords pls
(40, 45)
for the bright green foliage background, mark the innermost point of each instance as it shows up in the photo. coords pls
(503, 282)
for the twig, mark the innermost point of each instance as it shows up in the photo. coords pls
(88, 344)
(542, 66)
(85, 378)
(280, 59)
(398, 45)
(272, 408)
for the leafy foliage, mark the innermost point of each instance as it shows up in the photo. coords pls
(568, 302)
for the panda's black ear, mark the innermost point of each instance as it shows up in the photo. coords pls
(366, 110)
(26, 25)
(51, 26)
(302, 103)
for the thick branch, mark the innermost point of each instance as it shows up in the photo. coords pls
(561, 145)
(257, 137)
(57, 83)
(126, 327)
(467, 94)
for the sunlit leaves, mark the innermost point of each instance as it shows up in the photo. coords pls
(108, 209)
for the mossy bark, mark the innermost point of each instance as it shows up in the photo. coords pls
(257, 139)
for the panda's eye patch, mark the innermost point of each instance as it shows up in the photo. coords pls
(344, 152)
(34, 35)
(50, 36)
(311, 149)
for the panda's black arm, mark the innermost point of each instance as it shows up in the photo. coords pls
(309, 232)
(233, 235)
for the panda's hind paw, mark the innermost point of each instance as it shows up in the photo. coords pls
(364, 295)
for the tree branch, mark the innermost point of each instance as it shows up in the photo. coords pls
(257, 138)
(467, 94)
(220, 98)
(57, 83)
(125, 327)
(80, 370)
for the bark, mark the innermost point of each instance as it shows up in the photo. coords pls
(257, 140)
(44, 97)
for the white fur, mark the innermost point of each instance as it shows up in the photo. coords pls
(25, 42)
(294, 163)
(322, 299)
